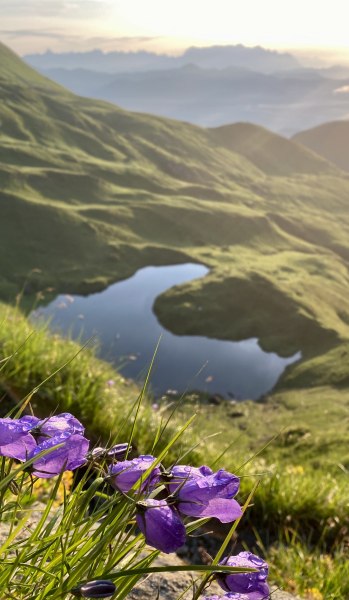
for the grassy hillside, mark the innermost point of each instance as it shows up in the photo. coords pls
(330, 140)
(270, 152)
(89, 193)
(303, 495)
(14, 70)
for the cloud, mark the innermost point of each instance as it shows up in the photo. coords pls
(91, 41)
(50, 8)
(32, 33)
(342, 90)
(13, 8)
(137, 39)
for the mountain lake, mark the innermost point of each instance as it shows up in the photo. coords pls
(122, 322)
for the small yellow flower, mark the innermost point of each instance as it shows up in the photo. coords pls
(295, 470)
(313, 594)
(42, 488)
(66, 484)
(67, 480)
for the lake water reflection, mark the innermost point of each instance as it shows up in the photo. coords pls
(127, 331)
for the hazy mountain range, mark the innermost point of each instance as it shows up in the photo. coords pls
(207, 86)
(220, 57)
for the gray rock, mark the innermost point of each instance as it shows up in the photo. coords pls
(159, 586)
(170, 586)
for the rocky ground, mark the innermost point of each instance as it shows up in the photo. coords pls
(163, 586)
(171, 586)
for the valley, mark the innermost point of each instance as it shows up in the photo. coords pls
(91, 193)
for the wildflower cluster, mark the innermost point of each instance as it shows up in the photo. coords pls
(169, 496)
(28, 437)
(161, 500)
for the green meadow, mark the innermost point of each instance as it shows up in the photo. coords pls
(89, 193)
(294, 444)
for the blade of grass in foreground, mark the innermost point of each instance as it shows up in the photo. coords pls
(141, 396)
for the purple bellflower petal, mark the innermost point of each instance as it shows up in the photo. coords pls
(210, 496)
(225, 511)
(252, 584)
(15, 441)
(71, 455)
(29, 422)
(124, 474)
(161, 525)
(182, 473)
(58, 424)
(52, 426)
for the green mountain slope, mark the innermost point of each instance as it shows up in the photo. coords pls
(14, 70)
(330, 140)
(272, 153)
(89, 193)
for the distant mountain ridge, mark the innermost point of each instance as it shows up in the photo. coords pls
(271, 153)
(208, 86)
(219, 57)
(284, 102)
(255, 58)
(330, 140)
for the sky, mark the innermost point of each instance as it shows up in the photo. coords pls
(318, 26)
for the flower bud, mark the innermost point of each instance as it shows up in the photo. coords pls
(99, 588)
(161, 525)
(119, 451)
(97, 453)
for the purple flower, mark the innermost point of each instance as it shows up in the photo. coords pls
(252, 584)
(161, 525)
(28, 422)
(180, 474)
(52, 426)
(70, 456)
(15, 441)
(208, 495)
(123, 475)
(26, 437)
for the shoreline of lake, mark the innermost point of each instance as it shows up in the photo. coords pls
(123, 320)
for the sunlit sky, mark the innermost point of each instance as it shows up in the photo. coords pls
(171, 25)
